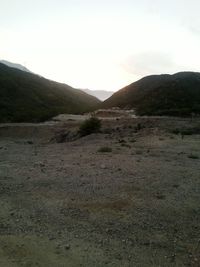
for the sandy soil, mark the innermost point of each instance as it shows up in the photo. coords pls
(67, 204)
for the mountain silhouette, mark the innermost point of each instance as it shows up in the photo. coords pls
(14, 65)
(26, 97)
(176, 95)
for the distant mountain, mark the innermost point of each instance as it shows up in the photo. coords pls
(176, 95)
(100, 94)
(26, 97)
(14, 65)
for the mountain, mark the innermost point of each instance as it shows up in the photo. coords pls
(100, 94)
(176, 95)
(26, 97)
(14, 65)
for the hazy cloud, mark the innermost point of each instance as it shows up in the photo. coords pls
(193, 25)
(82, 42)
(150, 63)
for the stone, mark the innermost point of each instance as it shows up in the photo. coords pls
(103, 166)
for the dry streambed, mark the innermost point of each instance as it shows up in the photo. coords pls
(128, 196)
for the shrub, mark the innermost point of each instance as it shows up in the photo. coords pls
(92, 125)
(105, 149)
(187, 131)
(132, 140)
(122, 141)
(138, 127)
(193, 156)
(175, 131)
(125, 145)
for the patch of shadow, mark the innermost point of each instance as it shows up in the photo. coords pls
(160, 196)
(64, 136)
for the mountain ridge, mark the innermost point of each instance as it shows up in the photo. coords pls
(100, 94)
(14, 65)
(164, 94)
(26, 97)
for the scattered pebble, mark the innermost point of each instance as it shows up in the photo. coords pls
(103, 166)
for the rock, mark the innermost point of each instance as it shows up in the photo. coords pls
(103, 166)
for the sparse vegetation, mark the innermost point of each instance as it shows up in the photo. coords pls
(138, 152)
(125, 145)
(175, 131)
(89, 126)
(122, 141)
(138, 127)
(132, 140)
(186, 131)
(105, 149)
(121, 208)
(193, 156)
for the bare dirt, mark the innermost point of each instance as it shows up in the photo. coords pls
(68, 204)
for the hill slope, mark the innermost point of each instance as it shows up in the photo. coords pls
(177, 95)
(26, 97)
(14, 65)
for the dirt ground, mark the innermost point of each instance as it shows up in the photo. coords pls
(65, 203)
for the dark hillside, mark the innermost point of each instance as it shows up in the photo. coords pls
(26, 97)
(176, 95)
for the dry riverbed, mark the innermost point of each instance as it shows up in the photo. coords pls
(66, 202)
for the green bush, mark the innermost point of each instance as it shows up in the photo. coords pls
(89, 126)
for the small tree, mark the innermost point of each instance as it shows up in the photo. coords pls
(92, 125)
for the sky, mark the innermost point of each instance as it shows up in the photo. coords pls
(101, 44)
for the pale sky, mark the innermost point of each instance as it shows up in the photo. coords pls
(101, 44)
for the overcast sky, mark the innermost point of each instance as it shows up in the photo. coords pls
(101, 44)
